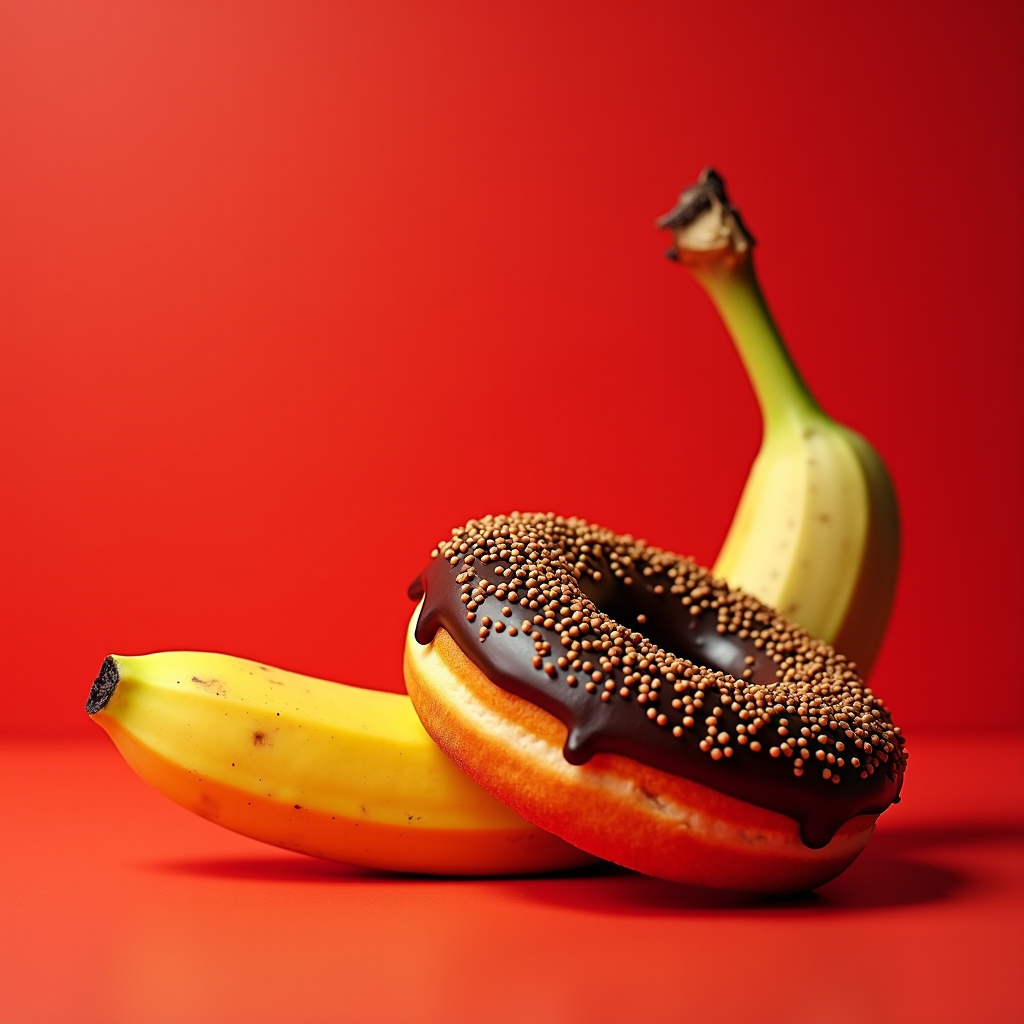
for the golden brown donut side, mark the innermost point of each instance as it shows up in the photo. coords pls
(612, 806)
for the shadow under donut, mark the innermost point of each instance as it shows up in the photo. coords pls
(900, 868)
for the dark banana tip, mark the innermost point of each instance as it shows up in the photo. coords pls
(104, 686)
(695, 200)
(707, 190)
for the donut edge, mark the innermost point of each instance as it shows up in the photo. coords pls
(616, 808)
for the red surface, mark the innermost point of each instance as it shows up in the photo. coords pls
(268, 271)
(119, 908)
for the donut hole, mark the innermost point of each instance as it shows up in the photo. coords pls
(661, 619)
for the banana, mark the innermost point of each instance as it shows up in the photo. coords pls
(335, 771)
(816, 532)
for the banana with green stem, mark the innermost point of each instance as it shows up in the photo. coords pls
(816, 533)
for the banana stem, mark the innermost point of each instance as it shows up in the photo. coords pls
(713, 242)
(785, 400)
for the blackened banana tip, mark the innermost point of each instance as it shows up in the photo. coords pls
(104, 686)
(707, 191)
(691, 204)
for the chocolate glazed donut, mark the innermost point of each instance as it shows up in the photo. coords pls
(645, 658)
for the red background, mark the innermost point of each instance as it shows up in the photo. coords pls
(272, 275)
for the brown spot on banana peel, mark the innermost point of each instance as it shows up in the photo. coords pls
(208, 808)
(214, 686)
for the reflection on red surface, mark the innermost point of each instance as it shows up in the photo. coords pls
(149, 914)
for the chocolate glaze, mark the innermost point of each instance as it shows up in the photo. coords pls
(622, 726)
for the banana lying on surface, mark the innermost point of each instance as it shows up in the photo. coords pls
(816, 532)
(321, 768)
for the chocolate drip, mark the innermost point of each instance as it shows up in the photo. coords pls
(622, 725)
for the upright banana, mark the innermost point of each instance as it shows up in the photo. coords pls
(816, 532)
(322, 768)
